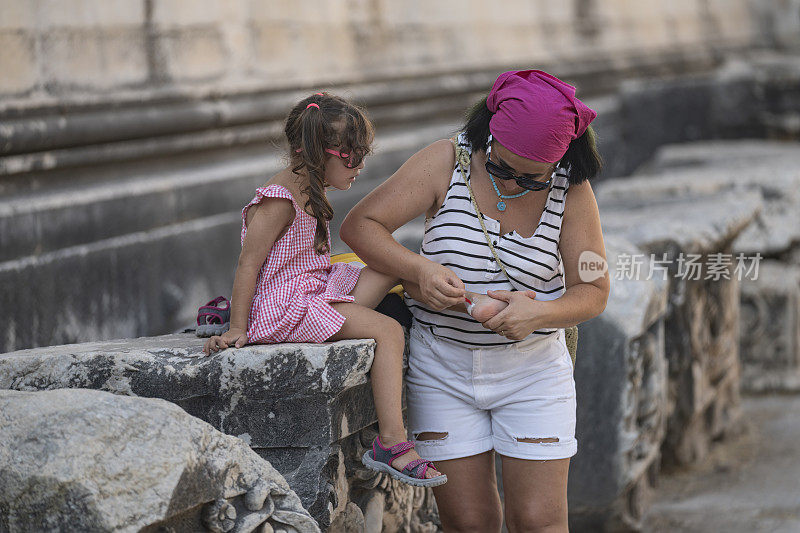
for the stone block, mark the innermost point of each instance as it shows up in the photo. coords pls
(176, 13)
(668, 105)
(137, 284)
(92, 59)
(769, 344)
(271, 395)
(702, 322)
(306, 408)
(621, 380)
(711, 167)
(193, 53)
(17, 15)
(17, 62)
(715, 155)
(86, 460)
(769, 309)
(88, 14)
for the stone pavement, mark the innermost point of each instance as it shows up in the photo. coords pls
(749, 483)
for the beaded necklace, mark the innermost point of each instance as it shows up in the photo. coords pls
(501, 205)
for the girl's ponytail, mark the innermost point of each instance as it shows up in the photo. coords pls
(312, 139)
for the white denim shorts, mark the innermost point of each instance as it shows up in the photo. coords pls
(489, 398)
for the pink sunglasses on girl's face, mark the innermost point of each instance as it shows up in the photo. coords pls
(349, 162)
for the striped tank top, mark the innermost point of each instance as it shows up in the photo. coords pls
(454, 238)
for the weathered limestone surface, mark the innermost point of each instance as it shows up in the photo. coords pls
(769, 168)
(769, 343)
(306, 408)
(621, 378)
(752, 95)
(85, 460)
(127, 45)
(702, 322)
(769, 327)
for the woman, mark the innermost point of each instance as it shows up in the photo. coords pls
(505, 384)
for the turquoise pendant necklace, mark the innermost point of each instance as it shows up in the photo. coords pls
(501, 205)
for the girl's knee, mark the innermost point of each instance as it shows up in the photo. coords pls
(389, 330)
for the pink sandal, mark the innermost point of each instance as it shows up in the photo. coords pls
(214, 318)
(380, 458)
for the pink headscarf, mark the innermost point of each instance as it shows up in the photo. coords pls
(536, 115)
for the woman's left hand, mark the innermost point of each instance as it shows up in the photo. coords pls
(523, 316)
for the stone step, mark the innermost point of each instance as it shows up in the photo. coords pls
(150, 197)
(709, 155)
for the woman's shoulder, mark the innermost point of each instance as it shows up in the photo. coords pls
(432, 164)
(437, 163)
(437, 155)
(580, 201)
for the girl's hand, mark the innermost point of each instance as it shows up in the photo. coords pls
(523, 316)
(440, 287)
(236, 337)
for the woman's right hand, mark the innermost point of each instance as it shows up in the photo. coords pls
(236, 337)
(440, 287)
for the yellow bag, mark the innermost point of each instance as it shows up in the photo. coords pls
(353, 259)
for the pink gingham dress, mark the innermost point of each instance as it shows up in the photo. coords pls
(296, 286)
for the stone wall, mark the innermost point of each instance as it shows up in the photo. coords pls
(89, 49)
(132, 133)
(137, 250)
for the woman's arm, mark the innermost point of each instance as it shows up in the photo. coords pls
(583, 253)
(271, 216)
(586, 294)
(419, 186)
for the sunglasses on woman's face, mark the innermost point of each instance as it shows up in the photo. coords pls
(526, 183)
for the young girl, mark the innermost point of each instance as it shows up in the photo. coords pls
(287, 290)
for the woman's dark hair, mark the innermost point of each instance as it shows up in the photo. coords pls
(310, 130)
(582, 160)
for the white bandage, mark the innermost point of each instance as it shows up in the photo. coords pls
(470, 306)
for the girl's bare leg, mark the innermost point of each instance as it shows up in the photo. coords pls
(386, 374)
(372, 286)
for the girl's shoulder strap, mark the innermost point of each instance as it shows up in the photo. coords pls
(270, 191)
(274, 190)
